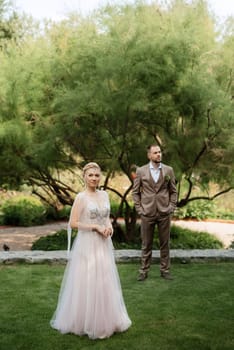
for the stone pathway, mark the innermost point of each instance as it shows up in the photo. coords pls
(223, 230)
(22, 238)
(60, 256)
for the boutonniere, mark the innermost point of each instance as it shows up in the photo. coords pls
(167, 178)
(133, 171)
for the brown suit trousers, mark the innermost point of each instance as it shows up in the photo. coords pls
(147, 234)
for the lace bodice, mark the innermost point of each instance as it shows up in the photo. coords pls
(89, 210)
(92, 209)
(96, 211)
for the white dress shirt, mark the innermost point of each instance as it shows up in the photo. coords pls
(155, 173)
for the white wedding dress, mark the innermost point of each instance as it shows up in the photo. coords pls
(90, 300)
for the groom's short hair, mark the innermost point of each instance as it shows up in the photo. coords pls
(152, 145)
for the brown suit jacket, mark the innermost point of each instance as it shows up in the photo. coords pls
(152, 198)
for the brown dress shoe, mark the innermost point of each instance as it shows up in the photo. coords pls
(141, 277)
(166, 275)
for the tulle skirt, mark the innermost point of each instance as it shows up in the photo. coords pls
(90, 299)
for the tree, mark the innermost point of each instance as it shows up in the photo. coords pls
(104, 90)
(11, 24)
(153, 82)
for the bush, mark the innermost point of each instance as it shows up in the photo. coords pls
(1, 218)
(180, 239)
(115, 207)
(224, 215)
(58, 241)
(53, 215)
(199, 209)
(23, 211)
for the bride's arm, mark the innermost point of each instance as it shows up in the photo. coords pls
(108, 225)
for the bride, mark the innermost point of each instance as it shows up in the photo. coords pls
(90, 300)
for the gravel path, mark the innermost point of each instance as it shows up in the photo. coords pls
(21, 238)
(224, 230)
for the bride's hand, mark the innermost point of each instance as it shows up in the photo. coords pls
(100, 229)
(108, 231)
(104, 231)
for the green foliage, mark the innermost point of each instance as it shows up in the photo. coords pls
(225, 215)
(23, 212)
(199, 209)
(203, 209)
(1, 218)
(54, 215)
(9, 24)
(186, 239)
(102, 88)
(115, 207)
(58, 241)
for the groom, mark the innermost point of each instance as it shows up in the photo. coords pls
(154, 195)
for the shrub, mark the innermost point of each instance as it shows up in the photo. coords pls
(182, 238)
(1, 218)
(224, 215)
(199, 209)
(63, 214)
(23, 211)
(115, 208)
(57, 241)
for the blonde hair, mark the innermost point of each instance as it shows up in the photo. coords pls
(90, 166)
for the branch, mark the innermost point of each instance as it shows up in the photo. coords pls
(43, 198)
(107, 179)
(113, 190)
(55, 187)
(123, 200)
(202, 151)
(205, 144)
(158, 140)
(186, 200)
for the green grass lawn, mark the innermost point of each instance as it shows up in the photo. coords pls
(195, 311)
